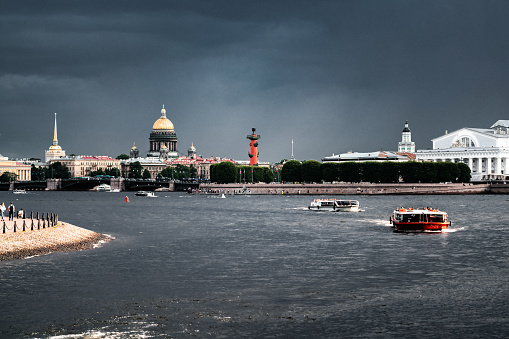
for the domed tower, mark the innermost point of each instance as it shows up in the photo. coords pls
(135, 153)
(253, 149)
(406, 144)
(163, 135)
(191, 152)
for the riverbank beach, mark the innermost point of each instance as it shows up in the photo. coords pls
(63, 237)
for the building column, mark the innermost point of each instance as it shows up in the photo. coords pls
(498, 165)
(488, 166)
(471, 164)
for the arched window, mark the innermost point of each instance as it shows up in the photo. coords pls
(467, 142)
(463, 142)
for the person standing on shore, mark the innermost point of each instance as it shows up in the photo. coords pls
(2, 209)
(11, 211)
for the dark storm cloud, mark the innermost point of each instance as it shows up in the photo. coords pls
(332, 75)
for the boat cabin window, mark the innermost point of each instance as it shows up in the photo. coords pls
(437, 218)
(407, 217)
(413, 218)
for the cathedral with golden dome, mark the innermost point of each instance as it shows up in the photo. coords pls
(163, 139)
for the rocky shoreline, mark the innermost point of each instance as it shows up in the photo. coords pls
(62, 238)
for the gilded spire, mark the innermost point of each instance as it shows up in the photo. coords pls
(55, 139)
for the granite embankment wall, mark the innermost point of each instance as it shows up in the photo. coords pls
(356, 188)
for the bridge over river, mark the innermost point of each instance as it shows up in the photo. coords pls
(87, 184)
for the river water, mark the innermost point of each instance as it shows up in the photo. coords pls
(261, 267)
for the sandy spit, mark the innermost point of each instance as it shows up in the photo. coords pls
(62, 238)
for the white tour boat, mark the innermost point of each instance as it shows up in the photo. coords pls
(19, 191)
(334, 205)
(103, 188)
(145, 194)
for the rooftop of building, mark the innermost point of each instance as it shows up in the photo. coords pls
(366, 156)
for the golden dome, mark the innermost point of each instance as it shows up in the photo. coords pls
(163, 123)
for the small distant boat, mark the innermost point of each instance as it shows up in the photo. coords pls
(334, 205)
(19, 191)
(419, 220)
(145, 194)
(223, 196)
(103, 188)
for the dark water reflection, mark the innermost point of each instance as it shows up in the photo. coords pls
(256, 266)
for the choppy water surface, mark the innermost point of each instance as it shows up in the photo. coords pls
(261, 267)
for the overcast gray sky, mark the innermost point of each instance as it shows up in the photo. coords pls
(334, 76)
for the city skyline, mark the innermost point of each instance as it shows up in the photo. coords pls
(333, 76)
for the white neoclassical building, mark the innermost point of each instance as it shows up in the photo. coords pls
(485, 151)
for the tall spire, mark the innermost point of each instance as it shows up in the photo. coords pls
(293, 158)
(55, 139)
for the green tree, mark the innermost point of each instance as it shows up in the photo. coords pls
(168, 172)
(389, 172)
(57, 170)
(371, 171)
(38, 173)
(330, 171)
(123, 157)
(8, 176)
(291, 171)
(311, 171)
(411, 171)
(193, 172)
(223, 173)
(268, 175)
(135, 169)
(350, 171)
(428, 172)
(447, 171)
(182, 171)
(98, 172)
(114, 172)
(464, 172)
(146, 174)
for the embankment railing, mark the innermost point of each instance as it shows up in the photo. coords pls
(31, 223)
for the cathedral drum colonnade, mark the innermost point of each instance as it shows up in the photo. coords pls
(163, 139)
(485, 151)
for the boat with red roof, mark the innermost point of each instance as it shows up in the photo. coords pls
(419, 220)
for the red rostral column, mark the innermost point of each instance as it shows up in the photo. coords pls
(253, 151)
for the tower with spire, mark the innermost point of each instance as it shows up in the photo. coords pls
(54, 151)
(191, 152)
(406, 144)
